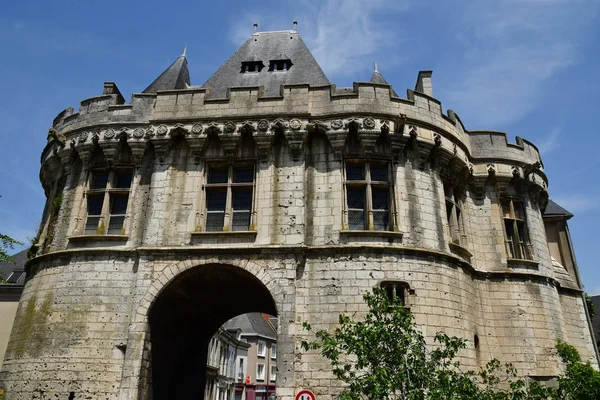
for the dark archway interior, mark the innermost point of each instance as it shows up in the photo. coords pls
(185, 316)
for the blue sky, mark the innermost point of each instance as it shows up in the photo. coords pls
(526, 67)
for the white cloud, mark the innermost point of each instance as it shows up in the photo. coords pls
(345, 36)
(509, 50)
(549, 142)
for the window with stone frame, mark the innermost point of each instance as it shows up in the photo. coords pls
(395, 289)
(107, 201)
(515, 229)
(368, 195)
(229, 191)
(454, 215)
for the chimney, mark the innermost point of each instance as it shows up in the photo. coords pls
(255, 26)
(424, 83)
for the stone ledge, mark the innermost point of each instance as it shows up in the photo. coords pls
(224, 233)
(98, 238)
(460, 251)
(385, 234)
(521, 263)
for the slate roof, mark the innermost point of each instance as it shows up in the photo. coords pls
(378, 78)
(177, 76)
(266, 47)
(251, 323)
(554, 210)
(15, 273)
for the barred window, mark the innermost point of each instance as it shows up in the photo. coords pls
(454, 215)
(229, 197)
(368, 196)
(107, 201)
(395, 290)
(515, 230)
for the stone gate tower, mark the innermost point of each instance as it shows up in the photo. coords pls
(269, 189)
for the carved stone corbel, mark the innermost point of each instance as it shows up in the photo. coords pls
(229, 143)
(264, 141)
(368, 140)
(296, 141)
(338, 141)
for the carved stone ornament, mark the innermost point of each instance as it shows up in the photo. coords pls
(213, 128)
(82, 137)
(437, 139)
(337, 124)
(229, 127)
(295, 124)
(263, 125)
(385, 127)
(491, 169)
(197, 129)
(369, 123)
(279, 124)
(124, 132)
(412, 131)
(150, 132)
(515, 171)
(109, 134)
(162, 130)
(138, 133)
(471, 168)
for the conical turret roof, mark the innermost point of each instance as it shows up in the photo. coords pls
(266, 47)
(376, 77)
(177, 76)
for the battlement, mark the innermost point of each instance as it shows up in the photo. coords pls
(299, 100)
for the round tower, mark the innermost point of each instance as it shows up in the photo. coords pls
(268, 189)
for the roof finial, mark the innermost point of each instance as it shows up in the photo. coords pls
(184, 50)
(295, 24)
(375, 67)
(255, 26)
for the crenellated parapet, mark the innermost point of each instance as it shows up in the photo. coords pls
(150, 117)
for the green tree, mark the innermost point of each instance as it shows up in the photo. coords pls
(385, 357)
(6, 244)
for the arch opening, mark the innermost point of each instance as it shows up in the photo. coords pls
(184, 317)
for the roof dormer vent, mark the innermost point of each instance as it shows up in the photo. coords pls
(280, 65)
(252, 66)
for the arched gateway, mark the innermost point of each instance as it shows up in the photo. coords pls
(270, 189)
(184, 317)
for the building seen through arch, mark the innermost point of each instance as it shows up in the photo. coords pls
(270, 190)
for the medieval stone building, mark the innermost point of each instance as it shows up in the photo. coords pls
(269, 189)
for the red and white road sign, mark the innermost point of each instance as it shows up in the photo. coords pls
(305, 395)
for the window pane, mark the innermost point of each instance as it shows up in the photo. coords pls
(505, 203)
(95, 204)
(518, 207)
(241, 221)
(355, 172)
(115, 225)
(216, 200)
(243, 175)
(510, 238)
(356, 219)
(379, 173)
(123, 180)
(381, 198)
(214, 221)
(91, 225)
(356, 198)
(218, 175)
(381, 220)
(99, 180)
(242, 199)
(118, 204)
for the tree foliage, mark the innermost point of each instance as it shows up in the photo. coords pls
(385, 357)
(6, 244)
